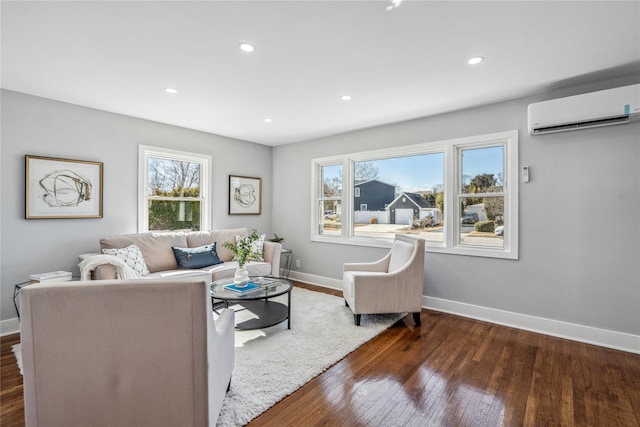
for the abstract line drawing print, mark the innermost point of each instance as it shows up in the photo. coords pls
(244, 195)
(64, 188)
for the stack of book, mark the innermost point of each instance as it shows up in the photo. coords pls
(57, 276)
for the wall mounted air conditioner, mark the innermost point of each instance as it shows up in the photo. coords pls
(603, 108)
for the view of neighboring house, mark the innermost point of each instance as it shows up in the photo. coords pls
(372, 195)
(407, 206)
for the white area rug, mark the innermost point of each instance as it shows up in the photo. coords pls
(17, 351)
(274, 362)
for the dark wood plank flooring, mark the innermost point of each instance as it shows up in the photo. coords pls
(451, 371)
(11, 402)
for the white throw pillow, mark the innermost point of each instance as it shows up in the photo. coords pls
(132, 256)
(258, 246)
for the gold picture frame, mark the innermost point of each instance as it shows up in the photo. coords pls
(62, 188)
(245, 195)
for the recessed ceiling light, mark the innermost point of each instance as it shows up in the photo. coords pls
(346, 97)
(170, 90)
(475, 60)
(267, 120)
(247, 47)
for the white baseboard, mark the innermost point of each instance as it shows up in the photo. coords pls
(571, 331)
(9, 326)
(312, 279)
(587, 334)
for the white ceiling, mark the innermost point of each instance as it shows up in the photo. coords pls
(401, 64)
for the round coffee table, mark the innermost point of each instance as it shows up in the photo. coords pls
(253, 306)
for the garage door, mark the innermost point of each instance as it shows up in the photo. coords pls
(404, 216)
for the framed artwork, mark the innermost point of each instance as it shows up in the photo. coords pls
(62, 188)
(245, 195)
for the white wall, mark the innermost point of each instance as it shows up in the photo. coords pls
(37, 126)
(574, 267)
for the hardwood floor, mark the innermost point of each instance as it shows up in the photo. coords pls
(451, 371)
(11, 404)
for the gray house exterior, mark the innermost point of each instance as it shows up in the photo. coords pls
(372, 195)
(408, 206)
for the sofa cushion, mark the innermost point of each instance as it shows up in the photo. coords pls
(199, 257)
(202, 238)
(228, 269)
(400, 254)
(178, 275)
(131, 256)
(155, 247)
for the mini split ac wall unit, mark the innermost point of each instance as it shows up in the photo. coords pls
(603, 108)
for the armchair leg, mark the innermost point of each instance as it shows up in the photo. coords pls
(356, 319)
(416, 318)
(346, 303)
(229, 385)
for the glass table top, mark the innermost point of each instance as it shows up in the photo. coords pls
(259, 287)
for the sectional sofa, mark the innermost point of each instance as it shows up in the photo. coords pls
(157, 251)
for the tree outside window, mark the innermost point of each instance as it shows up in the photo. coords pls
(482, 196)
(175, 197)
(174, 194)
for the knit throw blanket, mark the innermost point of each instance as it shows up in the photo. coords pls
(123, 271)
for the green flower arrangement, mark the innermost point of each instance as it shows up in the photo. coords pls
(244, 250)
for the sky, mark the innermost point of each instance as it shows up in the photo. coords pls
(424, 172)
(411, 174)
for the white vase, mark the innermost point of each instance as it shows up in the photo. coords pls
(241, 278)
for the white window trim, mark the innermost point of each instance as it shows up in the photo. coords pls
(145, 151)
(317, 191)
(449, 148)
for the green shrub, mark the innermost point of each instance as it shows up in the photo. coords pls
(485, 226)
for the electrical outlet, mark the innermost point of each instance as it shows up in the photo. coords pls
(297, 263)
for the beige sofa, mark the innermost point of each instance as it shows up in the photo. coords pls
(124, 353)
(158, 255)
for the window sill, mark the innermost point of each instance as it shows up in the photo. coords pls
(432, 248)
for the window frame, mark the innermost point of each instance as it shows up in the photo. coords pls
(451, 150)
(205, 160)
(318, 191)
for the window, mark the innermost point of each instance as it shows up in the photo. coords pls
(460, 195)
(480, 195)
(398, 191)
(173, 190)
(329, 201)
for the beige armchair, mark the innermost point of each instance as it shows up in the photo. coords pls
(391, 285)
(124, 353)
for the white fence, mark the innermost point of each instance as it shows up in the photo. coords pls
(364, 217)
